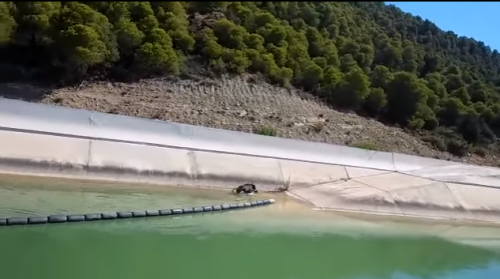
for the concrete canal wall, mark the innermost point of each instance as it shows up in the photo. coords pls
(56, 141)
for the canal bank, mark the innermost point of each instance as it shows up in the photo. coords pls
(43, 140)
(285, 240)
(22, 196)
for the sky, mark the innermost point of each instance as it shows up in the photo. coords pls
(479, 20)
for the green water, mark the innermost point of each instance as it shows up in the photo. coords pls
(256, 243)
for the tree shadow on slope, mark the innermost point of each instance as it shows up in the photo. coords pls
(23, 92)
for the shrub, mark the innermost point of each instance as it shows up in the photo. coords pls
(266, 131)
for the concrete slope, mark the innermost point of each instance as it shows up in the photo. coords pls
(45, 140)
(404, 195)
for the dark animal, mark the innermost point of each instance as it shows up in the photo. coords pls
(247, 188)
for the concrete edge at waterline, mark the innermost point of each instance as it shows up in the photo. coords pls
(61, 142)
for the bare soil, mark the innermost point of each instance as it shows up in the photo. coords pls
(238, 104)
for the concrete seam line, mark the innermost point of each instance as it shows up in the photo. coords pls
(450, 181)
(280, 167)
(89, 154)
(54, 219)
(393, 161)
(65, 135)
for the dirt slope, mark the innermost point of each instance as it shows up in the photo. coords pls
(236, 104)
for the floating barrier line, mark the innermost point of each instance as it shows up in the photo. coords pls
(73, 218)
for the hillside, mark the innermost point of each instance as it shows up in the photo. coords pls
(363, 57)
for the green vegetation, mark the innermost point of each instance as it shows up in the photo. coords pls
(365, 145)
(266, 131)
(362, 56)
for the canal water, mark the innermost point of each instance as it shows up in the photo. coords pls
(282, 241)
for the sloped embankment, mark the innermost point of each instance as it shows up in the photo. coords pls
(241, 105)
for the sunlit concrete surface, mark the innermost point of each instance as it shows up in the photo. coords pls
(53, 141)
(401, 194)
